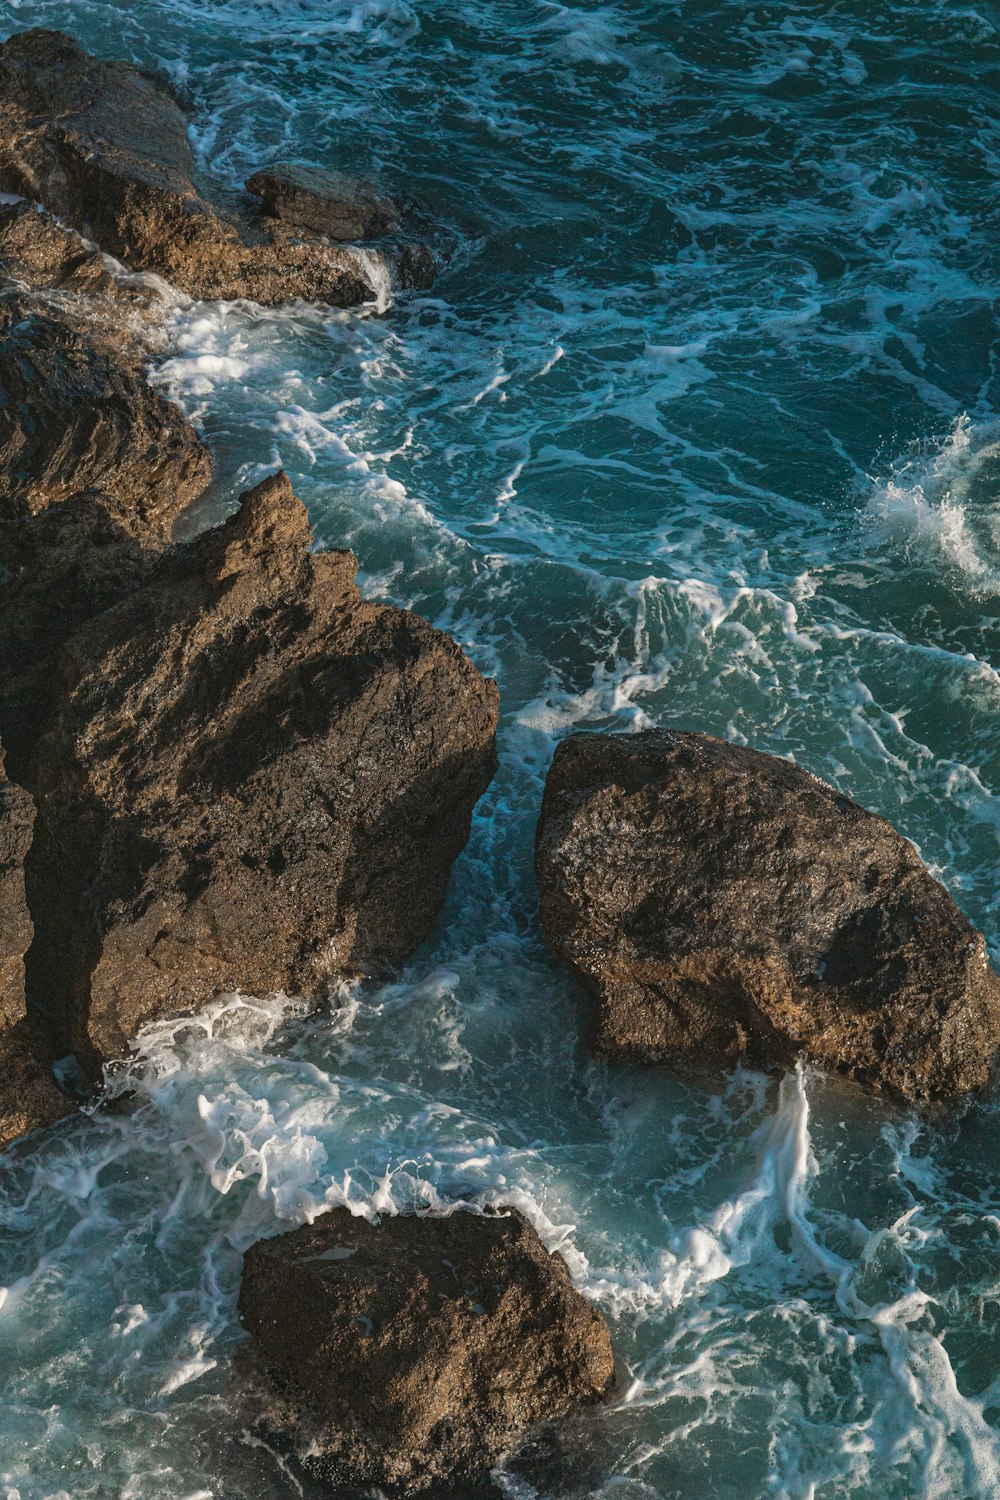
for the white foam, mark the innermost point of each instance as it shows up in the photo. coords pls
(925, 504)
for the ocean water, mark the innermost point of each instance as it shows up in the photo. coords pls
(698, 428)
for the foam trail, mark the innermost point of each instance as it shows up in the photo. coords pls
(375, 268)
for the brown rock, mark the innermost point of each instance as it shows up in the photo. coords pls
(76, 409)
(252, 779)
(105, 147)
(66, 565)
(723, 905)
(29, 1097)
(44, 255)
(17, 820)
(336, 204)
(78, 413)
(412, 1356)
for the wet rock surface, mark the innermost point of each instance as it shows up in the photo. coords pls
(76, 409)
(723, 904)
(251, 779)
(105, 147)
(414, 1354)
(335, 204)
(28, 1094)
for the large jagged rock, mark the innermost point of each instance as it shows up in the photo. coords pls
(252, 779)
(105, 146)
(29, 1097)
(411, 1356)
(723, 904)
(76, 409)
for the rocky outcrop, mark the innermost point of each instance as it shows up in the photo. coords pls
(43, 255)
(76, 409)
(411, 1356)
(335, 204)
(66, 565)
(105, 147)
(251, 779)
(723, 904)
(28, 1094)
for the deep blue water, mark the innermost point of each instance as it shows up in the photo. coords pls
(697, 429)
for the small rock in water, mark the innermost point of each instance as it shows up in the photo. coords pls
(414, 1354)
(723, 904)
(250, 779)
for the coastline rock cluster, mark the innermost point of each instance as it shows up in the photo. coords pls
(105, 147)
(228, 769)
(222, 769)
(67, 329)
(412, 1355)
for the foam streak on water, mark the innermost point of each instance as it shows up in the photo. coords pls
(698, 428)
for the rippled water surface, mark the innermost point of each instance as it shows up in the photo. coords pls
(697, 429)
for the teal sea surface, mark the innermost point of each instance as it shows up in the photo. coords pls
(699, 428)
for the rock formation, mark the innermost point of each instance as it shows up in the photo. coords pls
(413, 1355)
(105, 147)
(723, 904)
(334, 204)
(66, 565)
(77, 411)
(251, 779)
(28, 1094)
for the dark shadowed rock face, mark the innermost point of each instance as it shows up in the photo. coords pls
(105, 147)
(723, 904)
(414, 1354)
(28, 1095)
(65, 565)
(251, 779)
(76, 409)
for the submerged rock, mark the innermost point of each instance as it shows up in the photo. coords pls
(105, 146)
(28, 1094)
(252, 779)
(723, 905)
(76, 409)
(413, 1355)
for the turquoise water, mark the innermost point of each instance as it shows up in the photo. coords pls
(697, 429)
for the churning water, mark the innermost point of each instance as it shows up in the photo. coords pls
(697, 429)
